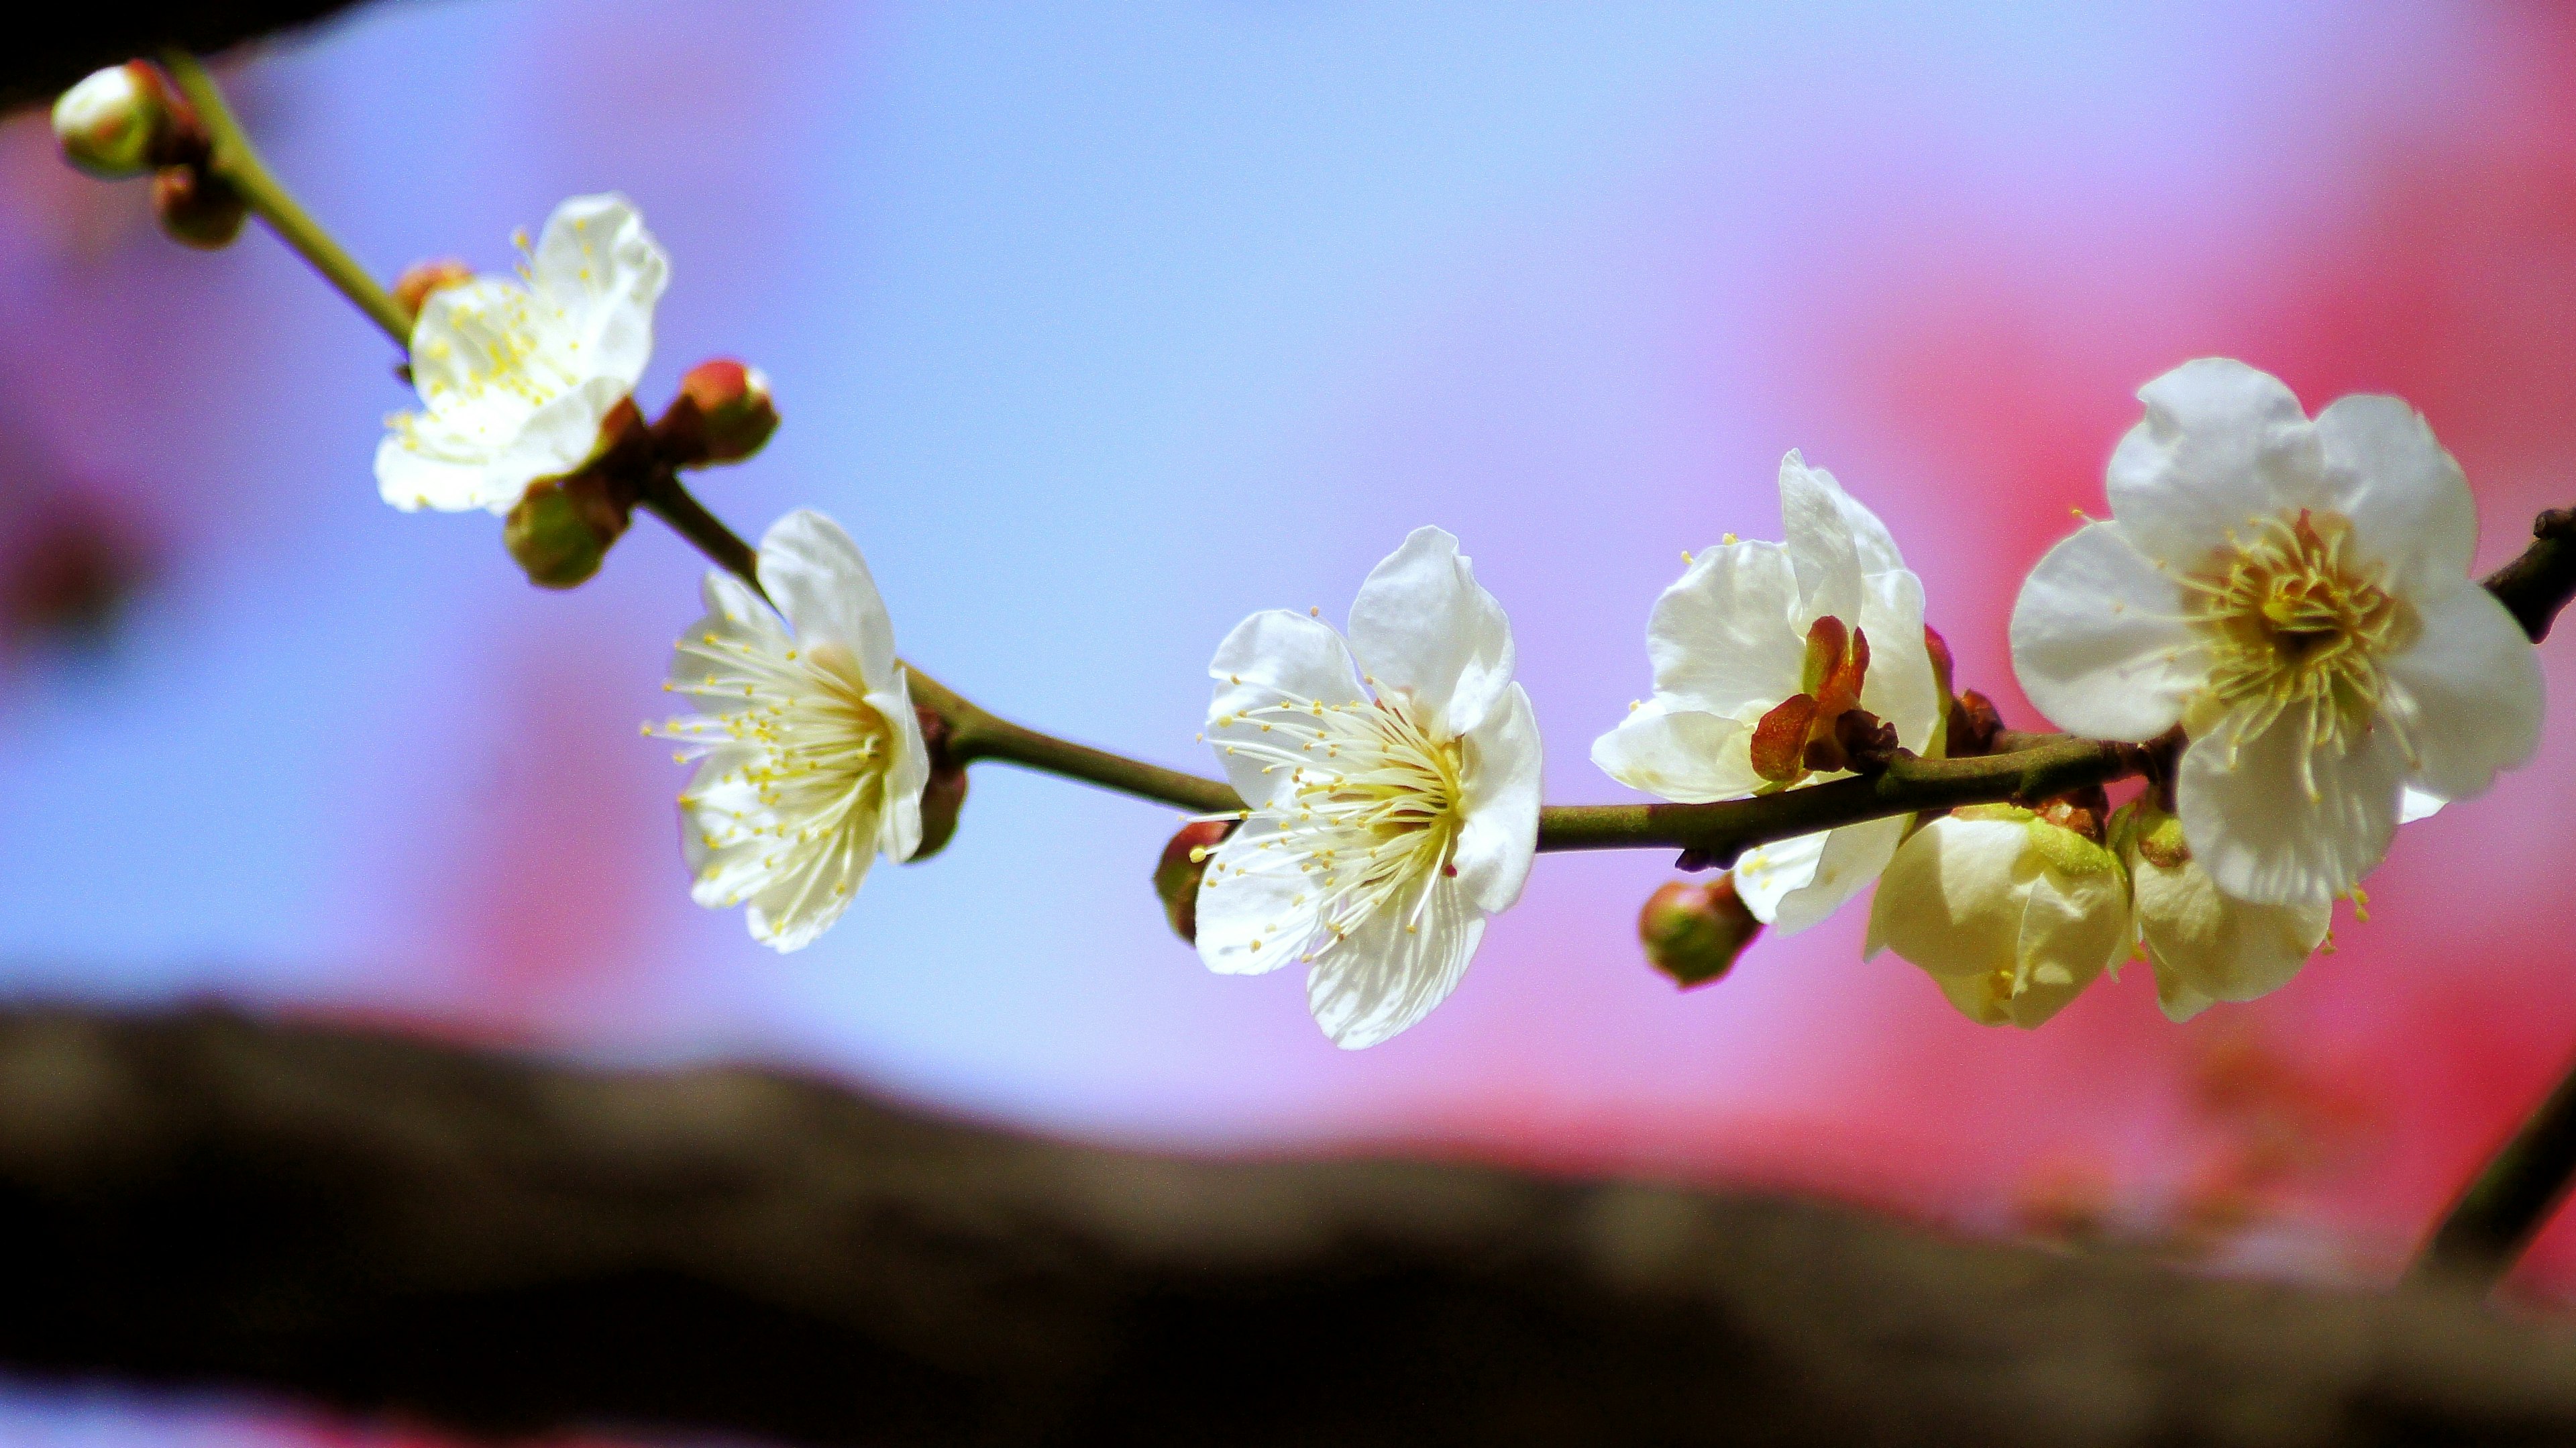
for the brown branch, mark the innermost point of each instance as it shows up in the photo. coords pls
(44, 59)
(500, 1246)
(2537, 584)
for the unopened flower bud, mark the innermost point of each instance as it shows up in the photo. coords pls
(424, 279)
(1184, 864)
(943, 795)
(1693, 932)
(121, 121)
(723, 414)
(197, 208)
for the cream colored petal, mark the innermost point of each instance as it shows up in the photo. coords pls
(1498, 837)
(2098, 641)
(1821, 546)
(2469, 696)
(1256, 907)
(2209, 945)
(1392, 971)
(1766, 874)
(2277, 823)
(1424, 627)
(1679, 754)
(1852, 857)
(1728, 636)
(1951, 899)
(2221, 445)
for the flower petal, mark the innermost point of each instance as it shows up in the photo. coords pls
(820, 581)
(1679, 754)
(1272, 657)
(1899, 689)
(1852, 857)
(736, 624)
(1727, 636)
(2207, 946)
(553, 440)
(2407, 500)
(1765, 874)
(1498, 832)
(468, 335)
(2469, 696)
(807, 898)
(1385, 977)
(2098, 641)
(1421, 624)
(2263, 834)
(1256, 906)
(2415, 804)
(597, 275)
(1820, 542)
(2221, 444)
(1945, 902)
(907, 768)
(419, 466)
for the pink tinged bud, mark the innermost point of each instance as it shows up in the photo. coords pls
(1184, 864)
(1693, 932)
(424, 279)
(197, 208)
(122, 121)
(723, 414)
(943, 797)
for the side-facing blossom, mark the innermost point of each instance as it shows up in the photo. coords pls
(2010, 914)
(516, 373)
(811, 757)
(1759, 651)
(2296, 595)
(1393, 781)
(2206, 945)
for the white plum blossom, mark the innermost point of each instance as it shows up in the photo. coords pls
(2206, 945)
(2010, 914)
(1392, 811)
(2296, 595)
(812, 760)
(515, 375)
(1756, 651)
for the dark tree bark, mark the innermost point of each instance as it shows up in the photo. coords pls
(56, 44)
(499, 1245)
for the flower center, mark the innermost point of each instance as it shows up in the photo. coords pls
(2295, 625)
(807, 742)
(505, 354)
(1372, 813)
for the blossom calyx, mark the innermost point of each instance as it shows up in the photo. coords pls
(125, 120)
(2010, 914)
(1693, 932)
(1182, 866)
(943, 794)
(197, 207)
(724, 413)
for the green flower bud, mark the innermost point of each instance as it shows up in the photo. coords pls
(118, 122)
(1693, 932)
(197, 208)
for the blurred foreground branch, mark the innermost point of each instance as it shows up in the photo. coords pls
(53, 45)
(498, 1246)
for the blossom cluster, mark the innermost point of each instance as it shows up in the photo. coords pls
(2279, 610)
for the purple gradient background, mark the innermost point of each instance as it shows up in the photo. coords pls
(1101, 329)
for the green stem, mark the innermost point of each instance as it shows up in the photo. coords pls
(237, 162)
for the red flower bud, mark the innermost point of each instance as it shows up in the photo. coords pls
(1183, 865)
(424, 279)
(723, 414)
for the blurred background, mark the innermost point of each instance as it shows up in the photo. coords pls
(1102, 327)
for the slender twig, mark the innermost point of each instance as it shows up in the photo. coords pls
(237, 162)
(2505, 1205)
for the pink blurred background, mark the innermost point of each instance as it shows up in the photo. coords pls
(1103, 328)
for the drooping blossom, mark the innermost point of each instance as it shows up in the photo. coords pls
(1759, 652)
(516, 373)
(811, 759)
(1393, 781)
(2011, 914)
(2206, 945)
(2296, 595)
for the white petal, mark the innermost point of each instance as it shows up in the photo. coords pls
(1421, 624)
(2207, 945)
(1899, 687)
(1254, 894)
(1498, 836)
(1271, 656)
(1765, 874)
(2222, 444)
(1821, 545)
(1728, 636)
(710, 653)
(413, 471)
(468, 335)
(2260, 831)
(1852, 857)
(1949, 901)
(1679, 754)
(2469, 695)
(2409, 505)
(1385, 977)
(2073, 927)
(815, 574)
(555, 439)
(2414, 804)
(2178, 1000)
(907, 768)
(2098, 642)
(808, 897)
(1870, 538)
(598, 274)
